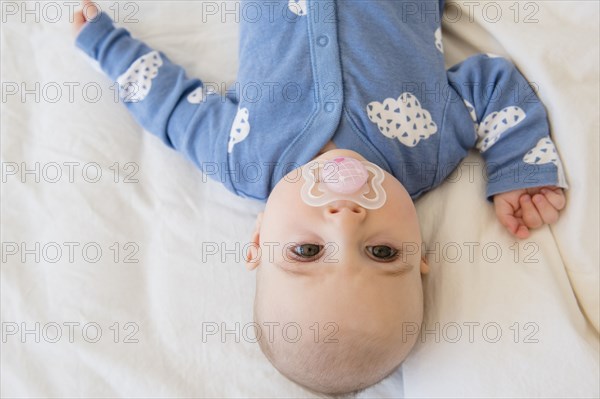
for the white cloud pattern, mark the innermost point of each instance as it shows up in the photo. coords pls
(403, 118)
(545, 152)
(199, 94)
(473, 115)
(136, 82)
(298, 7)
(196, 96)
(240, 128)
(495, 124)
(438, 40)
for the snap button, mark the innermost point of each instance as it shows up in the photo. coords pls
(322, 40)
(329, 106)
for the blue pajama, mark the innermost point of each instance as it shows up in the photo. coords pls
(368, 75)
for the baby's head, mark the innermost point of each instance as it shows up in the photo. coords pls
(338, 294)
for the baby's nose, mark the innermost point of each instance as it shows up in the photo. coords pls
(345, 210)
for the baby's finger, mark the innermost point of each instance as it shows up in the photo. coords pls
(78, 22)
(522, 232)
(78, 18)
(531, 217)
(555, 197)
(519, 213)
(515, 225)
(89, 10)
(545, 208)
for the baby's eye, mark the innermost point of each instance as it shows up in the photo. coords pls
(382, 252)
(306, 251)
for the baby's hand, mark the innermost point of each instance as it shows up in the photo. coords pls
(524, 209)
(88, 12)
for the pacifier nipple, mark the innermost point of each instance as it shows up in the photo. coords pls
(344, 175)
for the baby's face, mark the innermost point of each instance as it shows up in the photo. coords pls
(355, 272)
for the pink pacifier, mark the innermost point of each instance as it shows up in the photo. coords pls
(344, 175)
(343, 178)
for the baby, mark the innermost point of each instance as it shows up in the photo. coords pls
(362, 119)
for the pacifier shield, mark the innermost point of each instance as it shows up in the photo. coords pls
(344, 175)
(343, 178)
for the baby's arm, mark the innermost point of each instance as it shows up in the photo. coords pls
(158, 94)
(525, 176)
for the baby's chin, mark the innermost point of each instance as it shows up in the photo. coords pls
(339, 152)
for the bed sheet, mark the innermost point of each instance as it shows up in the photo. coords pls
(121, 263)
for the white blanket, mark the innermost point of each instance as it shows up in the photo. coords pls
(121, 265)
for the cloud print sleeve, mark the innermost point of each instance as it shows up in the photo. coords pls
(512, 129)
(161, 98)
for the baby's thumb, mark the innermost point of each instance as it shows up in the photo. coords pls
(78, 22)
(78, 18)
(506, 216)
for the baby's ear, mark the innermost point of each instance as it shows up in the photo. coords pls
(252, 258)
(424, 265)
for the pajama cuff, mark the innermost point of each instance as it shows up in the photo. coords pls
(92, 34)
(510, 179)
